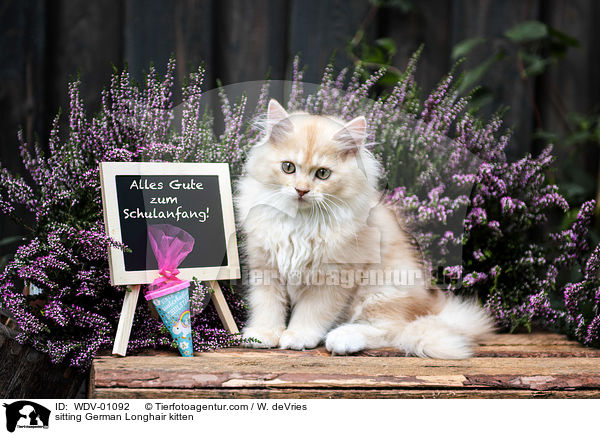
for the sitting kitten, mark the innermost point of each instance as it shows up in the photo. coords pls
(318, 241)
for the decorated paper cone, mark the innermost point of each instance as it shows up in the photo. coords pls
(173, 306)
(171, 295)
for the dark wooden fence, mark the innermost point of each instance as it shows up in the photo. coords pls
(45, 43)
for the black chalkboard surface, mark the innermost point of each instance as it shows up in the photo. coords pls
(192, 203)
(195, 197)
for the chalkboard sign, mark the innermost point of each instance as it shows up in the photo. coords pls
(193, 196)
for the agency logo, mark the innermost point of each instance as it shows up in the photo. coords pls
(26, 415)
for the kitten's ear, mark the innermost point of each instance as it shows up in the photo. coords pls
(278, 122)
(276, 112)
(352, 135)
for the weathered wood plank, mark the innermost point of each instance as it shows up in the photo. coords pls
(22, 98)
(313, 393)
(427, 23)
(536, 345)
(490, 19)
(569, 79)
(542, 351)
(194, 39)
(85, 39)
(251, 40)
(149, 35)
(567, 86)
(212, 370)
(22, 61)
(320, 28)
(507, 352)
(535, 338)
(535, 365)
(27, 373)
(154, 30)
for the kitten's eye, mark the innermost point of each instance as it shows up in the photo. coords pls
(288, 167)
(323, 173)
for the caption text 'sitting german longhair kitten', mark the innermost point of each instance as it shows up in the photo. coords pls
(328, 261)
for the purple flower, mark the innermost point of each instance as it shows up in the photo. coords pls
(449, 178)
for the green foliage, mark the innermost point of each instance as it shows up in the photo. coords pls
(465, 46)
(582, 131)
(537, 46)
(527, 31)
(405, 6)
(530, 47)
(473, 76)
(533, 48)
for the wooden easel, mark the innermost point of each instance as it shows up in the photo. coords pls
(128, 311)
(134, 278)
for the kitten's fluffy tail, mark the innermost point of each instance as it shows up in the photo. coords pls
(450, 334)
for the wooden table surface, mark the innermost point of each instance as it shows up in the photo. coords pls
(506, 366)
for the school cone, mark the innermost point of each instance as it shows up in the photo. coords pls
(169, 294)
(173, 306)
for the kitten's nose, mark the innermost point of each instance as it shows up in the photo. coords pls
(301, 193)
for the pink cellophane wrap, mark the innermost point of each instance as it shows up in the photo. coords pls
(171, 245)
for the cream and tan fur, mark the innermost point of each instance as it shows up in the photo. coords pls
(319, 250)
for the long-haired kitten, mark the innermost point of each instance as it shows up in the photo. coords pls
(329, 261)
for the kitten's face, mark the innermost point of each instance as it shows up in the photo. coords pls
(310, 162)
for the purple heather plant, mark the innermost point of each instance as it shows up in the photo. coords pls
(448, 174)
(65, 254)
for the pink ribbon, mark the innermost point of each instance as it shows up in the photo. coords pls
(167, 276)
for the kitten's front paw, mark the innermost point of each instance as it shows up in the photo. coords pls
(298, 340)
(344, 340)
(262, 338)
